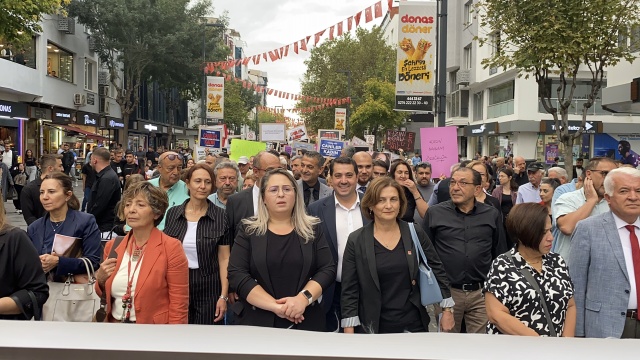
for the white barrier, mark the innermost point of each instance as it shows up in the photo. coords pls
(49, 340)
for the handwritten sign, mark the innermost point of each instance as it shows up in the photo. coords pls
(440, 148)
(331, 148)
(404, 140)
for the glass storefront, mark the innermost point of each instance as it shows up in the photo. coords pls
(500, 144)
(136, 140)
(548, 147)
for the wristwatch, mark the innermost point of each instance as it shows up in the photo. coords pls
(307, 294)
(449, 309)
(225, 298)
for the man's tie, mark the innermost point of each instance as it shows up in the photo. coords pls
(362, 189)
(635, 253)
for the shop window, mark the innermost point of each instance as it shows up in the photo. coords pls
(501, 99)
(90, 76)
(21, 52)
(478, 106)
(59, 63)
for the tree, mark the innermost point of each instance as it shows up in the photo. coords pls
(366, 55)
(557, 40)
(376, 113)
(19, 19)
(238, 103)
(141, 40)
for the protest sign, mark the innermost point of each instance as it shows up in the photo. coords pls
(439, 147)
(246, 148)
(331, 148)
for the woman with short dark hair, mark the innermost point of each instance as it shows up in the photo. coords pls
(514, 304)
(148, 281)
(380, 278)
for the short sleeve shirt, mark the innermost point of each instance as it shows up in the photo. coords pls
(177, 194)
(509, 286)
(566, 204)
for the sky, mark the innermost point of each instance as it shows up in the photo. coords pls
(265, 25)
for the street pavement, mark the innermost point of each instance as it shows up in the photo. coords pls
(16, 219)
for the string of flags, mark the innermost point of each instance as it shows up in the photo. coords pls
(304, 110)
(371, 12)
(283, 94)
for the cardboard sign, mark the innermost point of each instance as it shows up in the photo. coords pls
(297, 133)
(246, 148)
(397, 140)
(439, 147)
(331, 148)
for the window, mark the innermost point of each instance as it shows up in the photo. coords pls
(467, 57)
(468, 14)
(59, 63)
(458, 104)
(478, 104)
(453, 77)
(634, 43)
(580, 96)
(501, 100)
(89, 75)
(496, 43)
(21, 52)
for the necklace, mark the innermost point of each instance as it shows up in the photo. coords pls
(56, 225)
(136, 254)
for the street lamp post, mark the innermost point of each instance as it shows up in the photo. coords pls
(346, 125)
(203, 102)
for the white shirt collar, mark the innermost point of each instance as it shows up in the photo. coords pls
(355, 205)
(621, 223)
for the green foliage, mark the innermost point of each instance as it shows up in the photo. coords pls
(376, 113)
(19, 18)
(366, 55)
(555, 40)
(238, 103)
(267, 117)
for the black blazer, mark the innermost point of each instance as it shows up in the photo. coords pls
(239, 206)
(325, 210)
(21, 272)
(212, 231)
(361, 295)
(248, 269)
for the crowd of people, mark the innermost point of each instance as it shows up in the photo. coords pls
(336, 245)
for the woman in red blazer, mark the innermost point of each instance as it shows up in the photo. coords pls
(148, 282)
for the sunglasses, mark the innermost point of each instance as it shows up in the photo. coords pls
(172, 157)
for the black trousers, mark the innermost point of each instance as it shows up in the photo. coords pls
(204, 291)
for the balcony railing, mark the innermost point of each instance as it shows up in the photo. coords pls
(576, 107)
(500, 109)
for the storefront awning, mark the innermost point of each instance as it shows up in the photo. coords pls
(88, 134)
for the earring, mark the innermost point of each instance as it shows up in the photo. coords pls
(370, 212)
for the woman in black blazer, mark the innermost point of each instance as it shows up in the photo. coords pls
(23, 286)
(280, 262)
(380, 277)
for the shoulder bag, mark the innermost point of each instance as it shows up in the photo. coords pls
(72, 301)
(429, 288)
(529, 277)
(101, 313)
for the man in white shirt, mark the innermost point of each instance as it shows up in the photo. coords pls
(341, 215)
(604, 262)
(530, 192)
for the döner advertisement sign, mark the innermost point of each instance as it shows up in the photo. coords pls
(416, 56)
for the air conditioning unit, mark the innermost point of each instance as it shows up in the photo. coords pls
(67, 25)
(103, 91)
(105, 106)
(77, 99)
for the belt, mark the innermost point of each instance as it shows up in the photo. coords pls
(633, 314)
(468, 287)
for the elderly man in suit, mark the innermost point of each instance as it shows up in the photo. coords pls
(310, 186)
(340, 215)
(604, 262)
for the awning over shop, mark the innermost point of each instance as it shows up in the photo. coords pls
(88, 134)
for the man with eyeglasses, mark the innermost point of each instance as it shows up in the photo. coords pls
(227, 174)
(530, 192)
(245, 203)
(312, 189)
(170, 168)
(578, 205)
(468, 235)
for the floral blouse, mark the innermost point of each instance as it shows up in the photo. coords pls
(508, 285)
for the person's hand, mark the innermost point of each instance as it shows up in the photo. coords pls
(49, 262)
(349, 330)
(294, 306)
(447, 322)
(589, 190)
(106, 269)
(442, 177)
(280, 311)
(221, 309)
(233, 297)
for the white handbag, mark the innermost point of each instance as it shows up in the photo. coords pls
(71, 301)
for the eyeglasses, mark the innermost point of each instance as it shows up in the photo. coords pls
(172, 157)
(274, 190)
(462, 184)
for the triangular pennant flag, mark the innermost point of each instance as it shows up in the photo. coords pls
(270, 92)
(368, 16)
(281, 53)
(303, 45)
(317, 37)
(245, 61)
(286, 51)
(287, 96)
(295, 47)
(357, 18)
(238, 62)
(378, 9)
(218, 73)
(264, 56)
(273, 56)
(340, 28)
(390, 4)
(349, 23)
(331, 32)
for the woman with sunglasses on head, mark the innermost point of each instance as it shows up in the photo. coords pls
(203, 229)
(280, 262)
(401, 172)
(148, 281)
